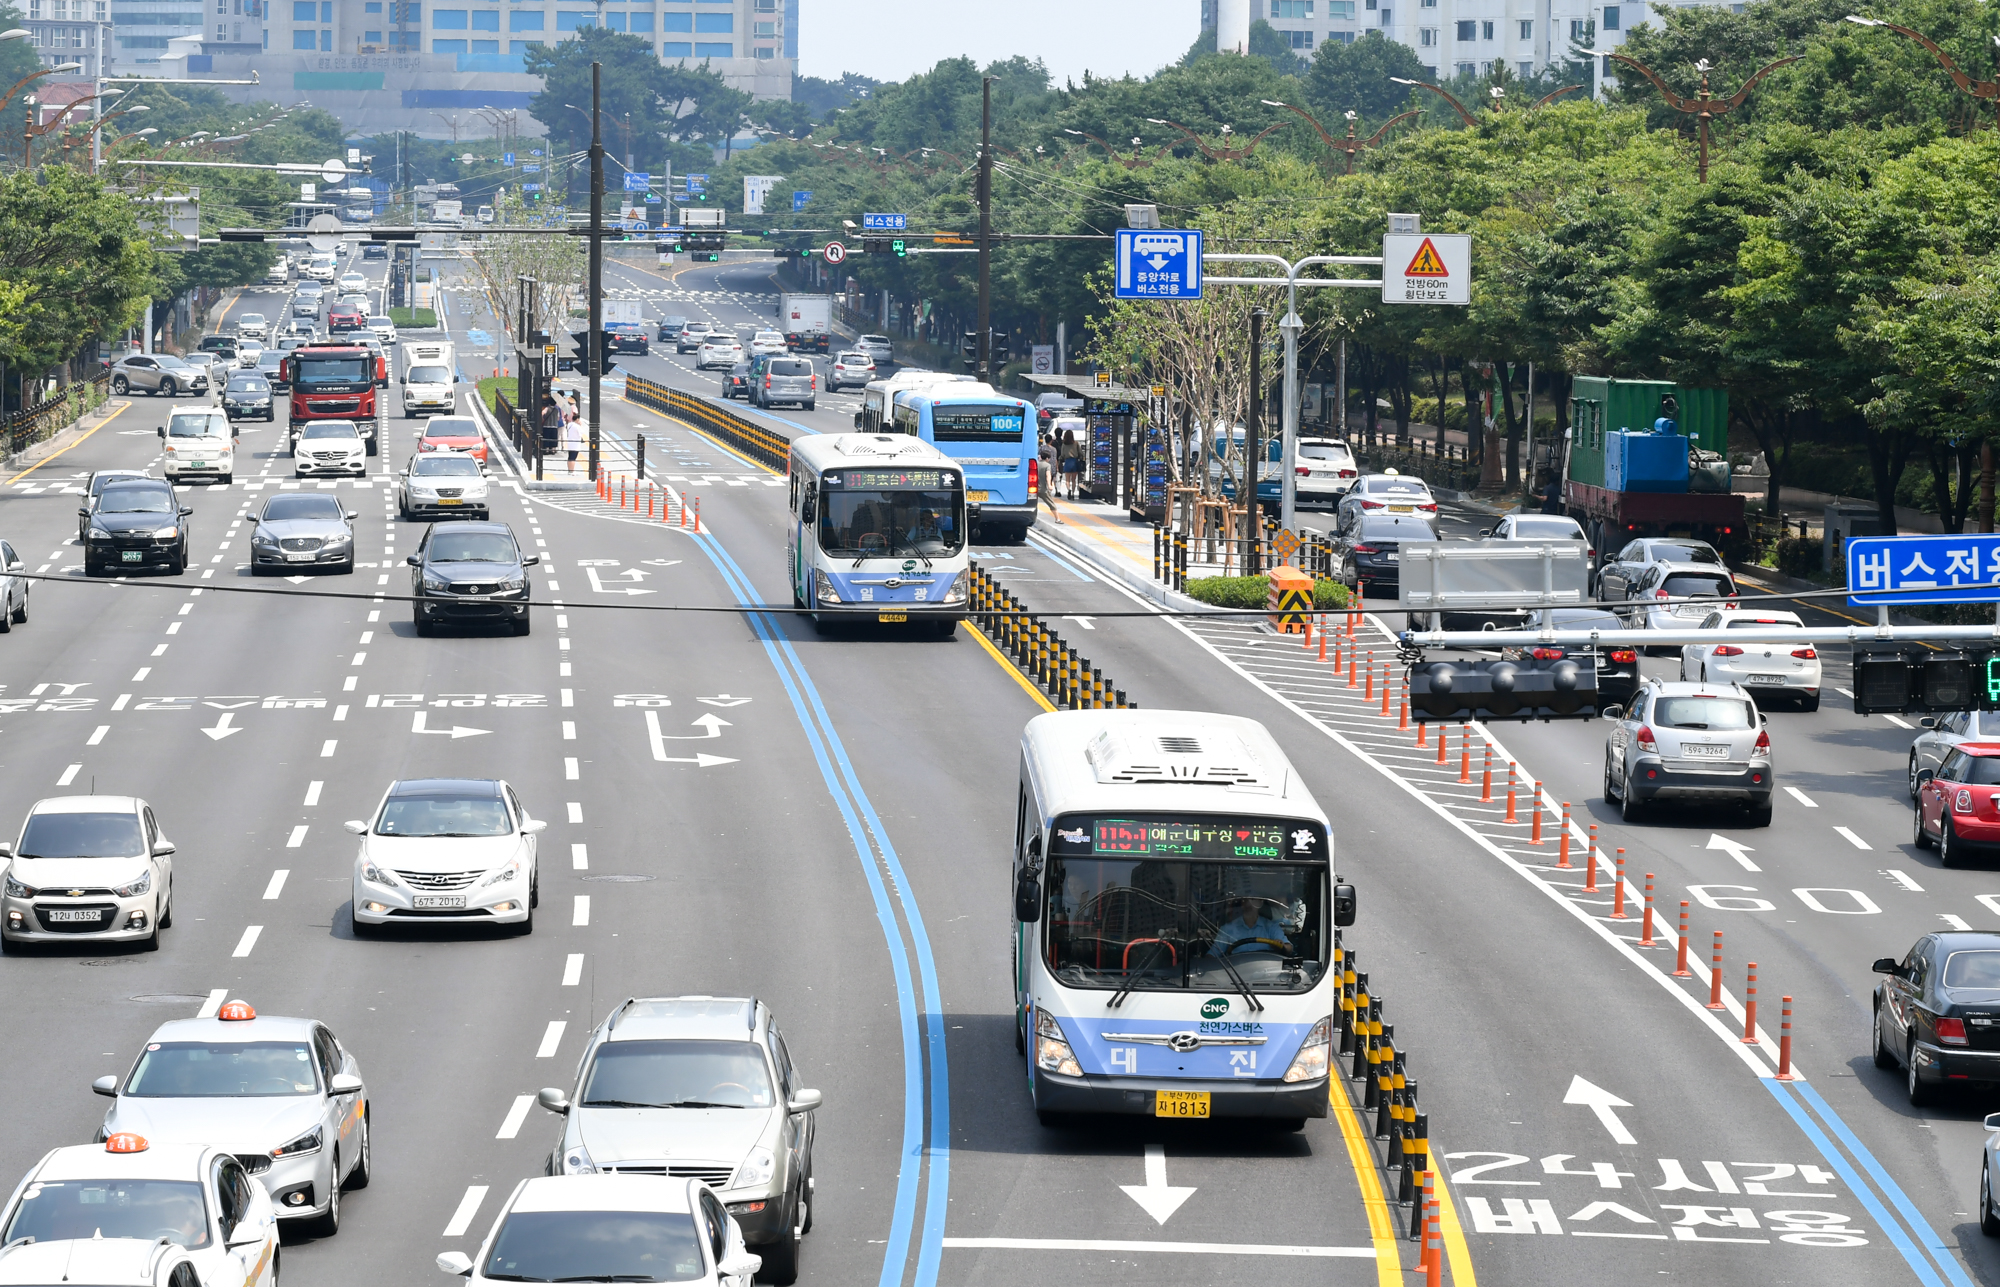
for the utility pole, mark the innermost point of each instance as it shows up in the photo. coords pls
(986, 228)
(1253, 449)
(595, 348)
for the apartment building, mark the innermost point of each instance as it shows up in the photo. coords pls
(69, 31)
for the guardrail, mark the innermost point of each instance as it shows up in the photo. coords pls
(51, 416)
(1059, 670)
(524, 435)
(754, 441)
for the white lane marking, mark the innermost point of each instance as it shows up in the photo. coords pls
(326, 750)
(511, 1126)
(573, 970)
(139, 676)
(214, 1003)
(563, 671)
(98, 736)
(187, 607)
(359, 657)
(569, 730)
(348, 686)
(248, 941)
(1845, 693)
(468, 1206)
(579, 857)
(575, 811)
(569, 769)
(375, 615)
(298, 837)
(69, 775)
(1853, 839)
(1953, 922)
(1903, 879)
(367, 636)
(581, 916)
(1898, 723)
(551, 1038)
(1801, 797)
(123, 699)
(312, 793)
(569, 697)
(1182, 1248)
(158, 649)
(173, 627)
(339, 714)
(383, 579)
(277, 885)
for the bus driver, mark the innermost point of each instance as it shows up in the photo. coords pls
(1249, 922)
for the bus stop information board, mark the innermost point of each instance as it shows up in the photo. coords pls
(1922, 569)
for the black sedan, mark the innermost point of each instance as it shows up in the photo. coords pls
(1617, 663)
(247, 396)
(470, 574)
(736, 381)
(1365, 555)
(136, 526)
(626, 337)
(1937, 1013)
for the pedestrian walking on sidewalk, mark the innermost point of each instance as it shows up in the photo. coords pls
(572, 439)
(1071, 463)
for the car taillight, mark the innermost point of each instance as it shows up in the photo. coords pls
(1368, 504)
(813, 383)
(1303, 472)
(1034, 475)
(1546, 654)
(1763, 746)
(1623, 656)
(1366, 549)
(767, 381)
(1728, 650)
(1347, 473)
(1661, 594)
(1805, 654)
(1645, 739)
(1951, 1032)
(1431, 507)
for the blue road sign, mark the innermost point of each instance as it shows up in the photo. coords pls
(535, 152)
(636, 181)
(506, 158)
(885, 222)
(531, 169)
(697, 184)
(799, 200)
(1926, 569)
(1158, 263)
(531, 187)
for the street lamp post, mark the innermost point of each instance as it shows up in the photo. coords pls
(1703, 107)
(1136, 162)
(1350, 145)
(1226, 153)
(595, 346)
(1976, 88)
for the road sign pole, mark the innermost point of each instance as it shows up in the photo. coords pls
(593, 349)
(1288, 495)
(986, 228)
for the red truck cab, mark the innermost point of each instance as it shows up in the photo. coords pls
(335, 382)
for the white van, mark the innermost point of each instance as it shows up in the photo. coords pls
(427, 378)
(200, 443)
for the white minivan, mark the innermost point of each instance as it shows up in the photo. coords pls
(200, 443)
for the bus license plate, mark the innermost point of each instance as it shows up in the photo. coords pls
(1180, 1103)
(892, 616)
(977, 498)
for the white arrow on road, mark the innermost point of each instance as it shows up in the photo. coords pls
(713, 723)
(1082, 621)
(1600, 1101)
(722, 699)
(1159, 1198)
(633, 574)
(661, 563)
(1736, 849)
(455, 731)
(223, 727)
(298, 580)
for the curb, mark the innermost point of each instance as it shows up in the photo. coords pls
(1086, 552)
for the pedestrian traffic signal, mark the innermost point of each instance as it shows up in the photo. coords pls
(1893, 679)
(899, 249)
(874, 245)
(998, 348)
(581, 360)
(969, 348)
(1460, 689)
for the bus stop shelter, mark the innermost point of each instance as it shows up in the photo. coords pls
(1125, 454)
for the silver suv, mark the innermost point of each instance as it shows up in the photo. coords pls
(877, 347)
(1685, 741)
(698, 1087)
(156, 373)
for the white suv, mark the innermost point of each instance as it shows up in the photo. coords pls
(87, 866)
(719, 350)
(764, 342)
(252, 326)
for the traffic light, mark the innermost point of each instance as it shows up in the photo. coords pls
(900, 250)
(1459, 689)
(998, 348)
(580, 360)
(968, 347)
(1892, 679)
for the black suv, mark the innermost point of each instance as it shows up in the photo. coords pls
(220, 345)
(134, 526)
(470, 573)
(626, 337)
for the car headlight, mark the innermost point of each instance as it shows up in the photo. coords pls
(375, 875)
(99, 533)
(1310, 1063)
(310, 1142)
(166, 533)
(826, 592)
(262, 537)
(576, 1160)
(15, 889)
(1052, 1052)
(514, 583)
(505, 874)
(137, 887)
(961, 586)
(434, 582)
(757, 1168)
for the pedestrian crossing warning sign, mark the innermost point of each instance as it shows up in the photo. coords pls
(1426, 263)
(1420, 268)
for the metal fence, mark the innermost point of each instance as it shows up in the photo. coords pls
(46, 419)
(1447, 471)
(521, 431)
(754, 441)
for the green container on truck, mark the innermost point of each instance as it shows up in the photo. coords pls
(1600, 406)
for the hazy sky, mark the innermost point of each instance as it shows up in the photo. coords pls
(890, 39)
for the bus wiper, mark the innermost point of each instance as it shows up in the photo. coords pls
(1132, 982)
(1229, 968)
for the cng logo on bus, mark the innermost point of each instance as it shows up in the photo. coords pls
(1215, 1007)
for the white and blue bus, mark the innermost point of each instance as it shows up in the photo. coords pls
(993, 437)
(877, 530)
(1173, 923)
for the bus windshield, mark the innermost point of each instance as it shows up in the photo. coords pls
(870, 522)
(960, 422)
(324, 371)
(1152, 923)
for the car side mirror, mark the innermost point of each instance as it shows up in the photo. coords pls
(1614, 712)
(742, 1265)
(349, 515)
(414, 560)
(355, 827)
(106, 1086)
(456, 1263)
(1993, 1121)
(534, 827)
(1926, 722)
(162, 431)
(6, 849)
(1887, 965)
(344, 1084)
(1027, 899)
(531, 560)
(1344, 905)
(1486, 531)
(83, 511)
(161, 848)
(186, 512)
(247, 1233)
(805, 1101)
(553, 1099)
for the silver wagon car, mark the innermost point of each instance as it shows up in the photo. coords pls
(1696, 742)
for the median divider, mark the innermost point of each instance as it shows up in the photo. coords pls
(1365, 1051)
(1038, 652)
(726, 427)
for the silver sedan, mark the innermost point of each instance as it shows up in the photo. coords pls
(301, 531)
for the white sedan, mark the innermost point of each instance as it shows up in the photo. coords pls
(460, 850)
(442, 484)
(718, 350)
(610, 1228)
(329, 447)
(176, 1201)
(352, 282)
(1760, 667)
(763, 342)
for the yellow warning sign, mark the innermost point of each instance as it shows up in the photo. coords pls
(1426, 262)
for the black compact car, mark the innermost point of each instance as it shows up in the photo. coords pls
(1617, 661)
(135, 526)
(247, 396)
(736, 381)
(670, 329)
(1937, 1013)
(626, 337)
(470, 574)
(1365, 554)
(374, 250)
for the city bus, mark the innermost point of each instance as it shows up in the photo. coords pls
(993, 437)
(873, 417)
(1173, 923)
(877, 531)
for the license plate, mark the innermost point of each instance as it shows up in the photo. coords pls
(892, 616)
(450, 500)
(976, 498)
(439, 900)
(196, 464)
(1402, 509)
(69, 916)
(132, 556)
(298, 556)
(1763, 679)
(1393, 558)
(1180, 1103)
(1704, 751)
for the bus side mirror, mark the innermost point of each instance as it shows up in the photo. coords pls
(1343, 905)
(1027, 899)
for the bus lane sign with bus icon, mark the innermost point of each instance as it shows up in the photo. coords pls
(1158, 263)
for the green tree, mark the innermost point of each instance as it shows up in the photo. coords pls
(1356, 78)
(76, 260)
(660, 105)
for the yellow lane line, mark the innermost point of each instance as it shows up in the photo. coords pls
(1008, 666)
(1361, 1155)
(1455, 1246)
(52, 455)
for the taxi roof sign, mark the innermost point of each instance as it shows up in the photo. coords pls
(235, 1012)
(125, 1142)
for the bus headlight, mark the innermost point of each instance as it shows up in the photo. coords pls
(1052, 1053)
(961, 586)
(826, 592)
(1310, 1063)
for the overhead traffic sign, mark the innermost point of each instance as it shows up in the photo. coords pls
(885, 222)
(1427, 268)
(1158, 263)
(799, 200)
(1924, 569)
(636, 181)
(833, 252)
(507, 158)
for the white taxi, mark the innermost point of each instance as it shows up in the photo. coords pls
(102, 1262)
(196, 1198)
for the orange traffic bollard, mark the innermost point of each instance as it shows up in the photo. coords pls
(1590, 863)
(1750, 1007)
(1715, 975)
(1353, 656)
(1512, 774)
(1562, 842)
(1618, 888)
(1368, 678)
(1486, 780)
(1646, 932)
(1785, 1040)
(1309, 634)
(1433, 1236)
(1444, 734)
(1322, 637)
(1464, 754)
(1385, 690)
(1423, 729)
(1535, 831)
(697, 516)
(1406, 720)
(1681, 952)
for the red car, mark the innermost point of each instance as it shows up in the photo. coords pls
(453, 433)
(1959, 809)
(346, 319)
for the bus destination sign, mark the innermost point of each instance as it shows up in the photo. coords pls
(1213, 838)
(882, 480)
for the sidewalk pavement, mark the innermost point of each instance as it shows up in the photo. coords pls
(1116, 548)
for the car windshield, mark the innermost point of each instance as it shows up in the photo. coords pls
(1734, 621)
(381, 324)
(1324, 451)
(223, 1070)
(330, 429)
(854, 359)
(103, 481)
(882, 524)
(59, 1210)
(1396, 487)
(1681, 584)
(1689, 552)
(596, 1246)
(1582, 619)
(1548, 529)
(451, 427)
(136, 500)
(429, 375)
(1972, 970)
(769, 337)
(198, 424)
(253, 319)
(473, 547)
(882, 340)
(1716, 714)
(677, 1074)
(282, 509)
(168, 359)
(445, 466)
(82, 835)
(793, 367)
(438, 814)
